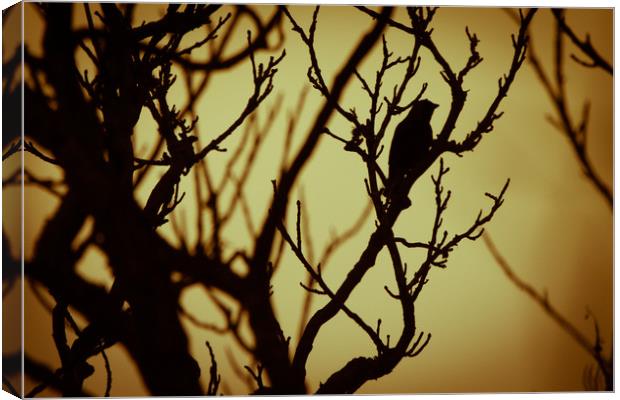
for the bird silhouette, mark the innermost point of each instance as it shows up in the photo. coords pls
(411, 143)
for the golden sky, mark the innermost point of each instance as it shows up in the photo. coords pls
(554, 228)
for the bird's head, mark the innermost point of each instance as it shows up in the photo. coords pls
(423, 109)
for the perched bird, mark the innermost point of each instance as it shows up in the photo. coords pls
(412, 141)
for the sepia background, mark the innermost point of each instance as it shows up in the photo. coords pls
(554, 228)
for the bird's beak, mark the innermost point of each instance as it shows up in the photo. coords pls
(435, 105)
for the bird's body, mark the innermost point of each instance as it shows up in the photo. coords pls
(411, 143)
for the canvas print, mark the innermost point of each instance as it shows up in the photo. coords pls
(275, 199)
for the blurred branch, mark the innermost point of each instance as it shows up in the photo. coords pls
(261, 74)
(577, 133)
(9, 386)
(296, 247)
(240, 181)
(334, 244)
(239, 372)
(41, 373)
(30, 148)
(594, 349)
(201, 324)
(51, 186)
(585, 45)
(217, 63)
(210, 36)
(14, 148)
(258, 379)
(233, 322)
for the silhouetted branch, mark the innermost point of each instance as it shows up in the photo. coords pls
(214, 376)
(411, 245)
(108, 371)
(257, 376)
(474, 59)
(520, 45)
(420, 19)
(388, 21)
(416, 347)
